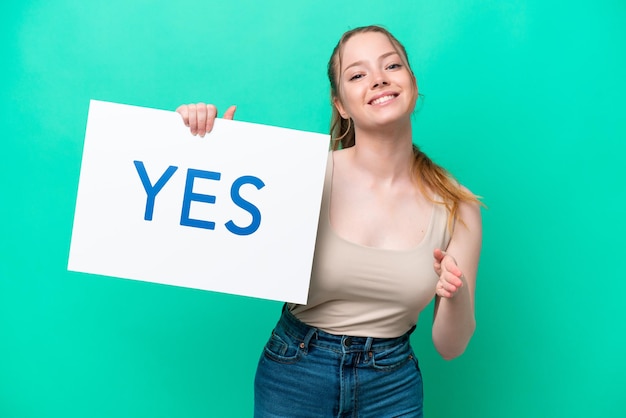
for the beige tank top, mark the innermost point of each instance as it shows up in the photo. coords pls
(364, 291)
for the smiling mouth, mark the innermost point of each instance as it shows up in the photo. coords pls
(383, 99)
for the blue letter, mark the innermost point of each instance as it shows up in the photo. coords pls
(151, 190)
(191, 196)
(245, 205)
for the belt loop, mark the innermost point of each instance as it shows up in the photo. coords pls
(367, 350)
(368, 344)
(307, 339)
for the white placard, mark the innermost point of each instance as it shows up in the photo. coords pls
(234, 212)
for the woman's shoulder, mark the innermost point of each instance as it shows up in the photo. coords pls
(469, 210)
(338, 159)
(340, 154)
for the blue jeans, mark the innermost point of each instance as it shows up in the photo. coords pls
(305, 372)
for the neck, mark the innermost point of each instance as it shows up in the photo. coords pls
(385, 154)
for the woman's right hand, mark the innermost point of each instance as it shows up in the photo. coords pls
(200, 117)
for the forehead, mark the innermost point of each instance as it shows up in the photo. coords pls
(363, 46)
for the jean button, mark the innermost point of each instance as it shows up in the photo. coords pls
(347, 342)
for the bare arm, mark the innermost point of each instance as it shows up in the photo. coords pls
(454, 321)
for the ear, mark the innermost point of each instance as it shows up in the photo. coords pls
(340, 108)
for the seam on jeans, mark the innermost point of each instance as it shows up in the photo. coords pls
(394, 359)
(307, 340)
(342, 385)
(356, 383)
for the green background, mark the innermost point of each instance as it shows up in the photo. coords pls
(524, 103)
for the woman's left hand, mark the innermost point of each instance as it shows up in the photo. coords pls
(450, 276)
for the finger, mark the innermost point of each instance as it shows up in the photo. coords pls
(451, 279)
(448, 287)
(438, 254)
(183, 110)
(449, 263)
(210, 117)
(201, 111)
(230, 113)
(443, 293)
(437, 268)
(193, 119)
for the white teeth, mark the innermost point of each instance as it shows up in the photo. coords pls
(383, 99)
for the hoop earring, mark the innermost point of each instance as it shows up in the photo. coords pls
(347, 130)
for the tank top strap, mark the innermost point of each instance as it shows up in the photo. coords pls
(328, 184)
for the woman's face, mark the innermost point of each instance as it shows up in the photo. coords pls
(375, 86)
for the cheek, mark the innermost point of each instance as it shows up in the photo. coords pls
(352, 97)
(414, 90)
(416, 93)
(414, 83)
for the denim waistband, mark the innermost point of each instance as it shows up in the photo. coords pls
(308, 334)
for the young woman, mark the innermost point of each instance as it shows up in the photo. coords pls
(395, 230)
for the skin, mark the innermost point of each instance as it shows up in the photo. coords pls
(200, 117)
(374, 201)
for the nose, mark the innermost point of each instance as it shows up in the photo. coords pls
(379, 80)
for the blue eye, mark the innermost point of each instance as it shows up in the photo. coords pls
(394, 66)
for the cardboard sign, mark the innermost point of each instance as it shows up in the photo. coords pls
(234, 212)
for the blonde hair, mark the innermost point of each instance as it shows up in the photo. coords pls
(427, 174)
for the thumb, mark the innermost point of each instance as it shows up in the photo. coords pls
(230, 113)
(183, 110)
(439, 255)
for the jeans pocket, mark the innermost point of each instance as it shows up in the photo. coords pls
(282, 349)
(393, 357)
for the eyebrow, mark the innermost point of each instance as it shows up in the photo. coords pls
(382, 57)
